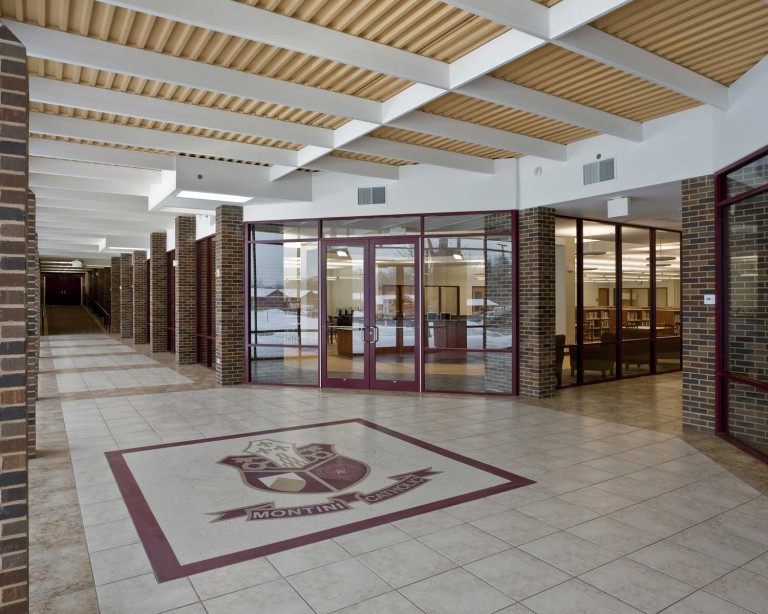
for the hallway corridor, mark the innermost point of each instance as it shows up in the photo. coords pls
(620, 519)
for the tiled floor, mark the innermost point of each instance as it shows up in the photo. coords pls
(629, 514)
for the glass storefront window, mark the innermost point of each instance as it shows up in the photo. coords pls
(668, 315)
(566, 299)
(636, 324)
(278, 231)
(468, 223)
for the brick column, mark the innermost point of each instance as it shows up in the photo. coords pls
(536, 245)
(698, 277)
(33, 323)
(126, 296)
(14, 180)
(114, 308)
(158, 294)
(140, 297)
(186, 338)
(229, 296)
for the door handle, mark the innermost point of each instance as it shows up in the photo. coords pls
(362, 335)
(375, 330)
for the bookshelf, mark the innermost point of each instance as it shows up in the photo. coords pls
(597, 320)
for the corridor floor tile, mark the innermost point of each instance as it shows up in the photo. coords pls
(216, 519)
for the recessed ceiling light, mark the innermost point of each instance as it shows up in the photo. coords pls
(227, 198)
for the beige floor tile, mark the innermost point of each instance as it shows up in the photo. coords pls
(599, 501)
(119, 564)
(389, 603)
(652, 520)
(704, 603)
(233, 578)
(372, 539)
(613, 535)
(78, 602)
(577, 597)
(517, 573)
(744, 525)
(143, 595)
(684, 564)
(406, 563)
(514, 527)
(278, 597)
(464, 544)
(424, 524)
(720, 544)
(456, 592)
(352, 582)
(558, 513)
(480, 508)
(569, 553)
(686, 507)
(744, 588)
(759, 565)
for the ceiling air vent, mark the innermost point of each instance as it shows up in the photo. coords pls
(371, 196)
(602, 170)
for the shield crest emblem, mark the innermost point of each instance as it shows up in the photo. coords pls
(277, 466)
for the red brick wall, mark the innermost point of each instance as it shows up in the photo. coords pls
(698, 277)
(126, 296)
(115, 281)
(536, 242)
(229, 296)
(158, 322)
(140, 297)
(186, 338)
(13, 324)
(33, 323)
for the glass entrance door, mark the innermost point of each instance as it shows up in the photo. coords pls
(371, 335)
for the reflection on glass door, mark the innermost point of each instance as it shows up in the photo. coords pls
(370, 336)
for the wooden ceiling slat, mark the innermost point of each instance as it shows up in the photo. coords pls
(428, 140)
(340, 153)
(692, 33)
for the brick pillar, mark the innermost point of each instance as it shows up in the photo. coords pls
(140, 297)
(158, 295)
(126, 296)
(14, 181)
(114, 308)
(698, 277)
(33, 323)
(229, 296)
(186, 337)
(536, 243)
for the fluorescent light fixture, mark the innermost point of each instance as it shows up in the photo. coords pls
(226, 198)
(342, 253)
(458, 256)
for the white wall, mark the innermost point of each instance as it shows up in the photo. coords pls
(420, 189)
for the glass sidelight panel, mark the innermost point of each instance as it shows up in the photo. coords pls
(346, 333)
(394, 332)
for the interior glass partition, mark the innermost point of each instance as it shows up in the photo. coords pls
(618, 301)
(402, 303)
(742, 303)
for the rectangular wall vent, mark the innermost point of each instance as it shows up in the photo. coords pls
(372, 196)
(602, 170)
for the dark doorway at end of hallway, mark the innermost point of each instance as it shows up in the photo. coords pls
(63, 289)
(70, 320)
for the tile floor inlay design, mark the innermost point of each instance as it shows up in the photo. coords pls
(200, 505)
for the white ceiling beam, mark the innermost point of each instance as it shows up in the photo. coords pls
(271, 28)
(102, 100)
(51, 44)
(81, 152)
(429, 123)
(75, 212)
(496, 52)
(84, 196)
(109, 208)
(568, 15)
(70, 127)
(597, 45)
(135, 229)
(423, 155)
(526, 99)
(524, 15)
(102, 186)
(54, 166)
(349, 166)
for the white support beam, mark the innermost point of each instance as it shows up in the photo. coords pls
(48, 148)
(134, 229)
(271, 28)
(527, 99)
(76, 213)
(155, 139)
(53, 166)
(348, 166)
(429, 123)
(102, 186)
(106, 208)
(424, 155)
(569, 15)
(95, 197)
(602, 47)
(156, 109)
(51, 44)
(524, 15)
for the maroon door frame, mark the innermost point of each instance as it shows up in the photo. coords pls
(722, 374)
(204, 331)
(370, 329)
(170, 300)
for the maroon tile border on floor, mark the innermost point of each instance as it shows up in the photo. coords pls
(167, 567)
